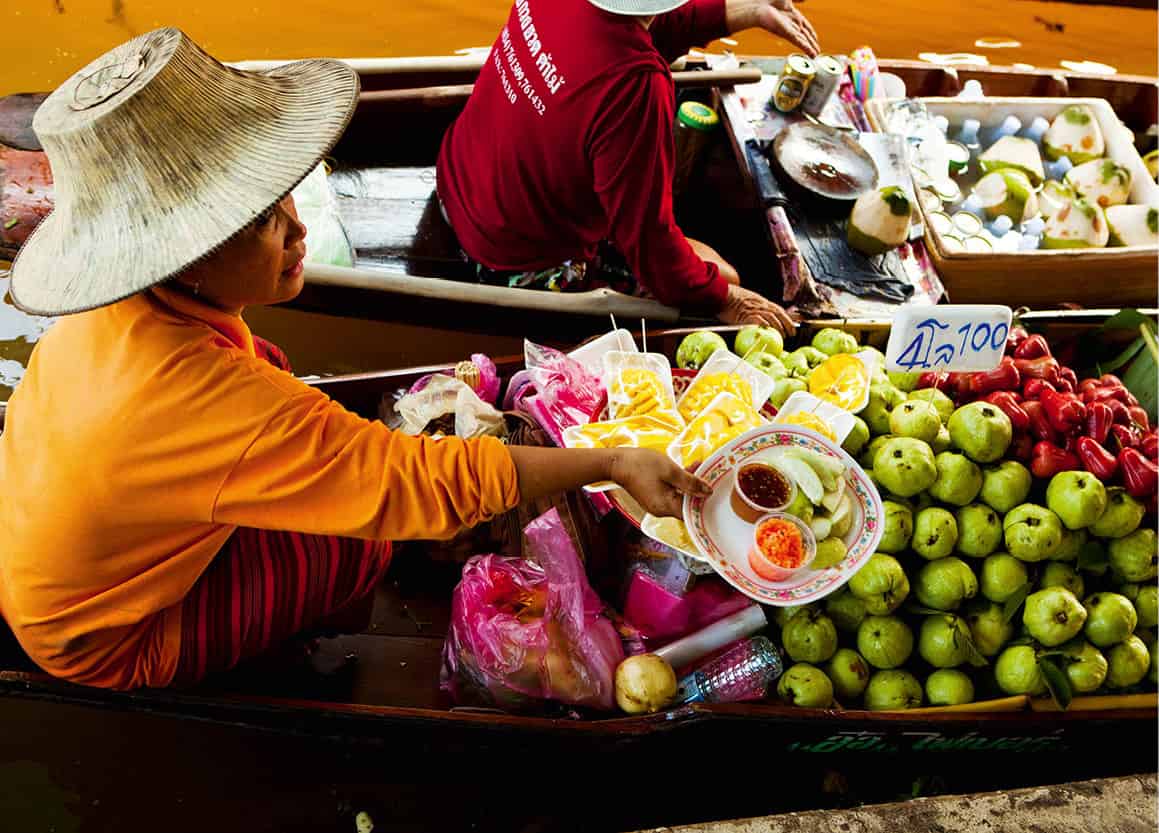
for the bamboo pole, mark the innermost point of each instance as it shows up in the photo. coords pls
(454, 94)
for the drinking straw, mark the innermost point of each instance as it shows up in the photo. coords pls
(644, 333)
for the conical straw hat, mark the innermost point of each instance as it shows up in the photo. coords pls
(160, 155)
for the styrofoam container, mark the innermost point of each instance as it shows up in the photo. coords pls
(1042, 278)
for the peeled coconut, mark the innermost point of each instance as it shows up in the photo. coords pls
(1133, 225)
(644, 683)
(1100, 181)
(1017, 153)
(1080, 225)
(1007, 191)
(1075, 134)
(880, 220)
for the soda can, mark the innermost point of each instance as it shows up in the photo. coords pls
(829, 70)
(793, 82)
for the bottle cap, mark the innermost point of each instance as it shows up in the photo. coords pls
(697, 116)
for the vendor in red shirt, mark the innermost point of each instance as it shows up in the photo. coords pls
(566, 146)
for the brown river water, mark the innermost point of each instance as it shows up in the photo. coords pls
(46, 40)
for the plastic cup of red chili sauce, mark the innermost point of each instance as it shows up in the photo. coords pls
(758, 489)
(782, 545)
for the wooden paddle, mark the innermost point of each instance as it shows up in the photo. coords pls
(16, 112)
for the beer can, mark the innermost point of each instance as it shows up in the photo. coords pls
(793, 82)
(829, 70)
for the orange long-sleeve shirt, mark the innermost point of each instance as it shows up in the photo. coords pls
(143, 433)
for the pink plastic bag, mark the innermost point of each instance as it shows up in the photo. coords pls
(565, 393)
(523, 631)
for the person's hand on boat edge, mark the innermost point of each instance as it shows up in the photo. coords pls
(778, 17)
(743, 306)
(655, 481)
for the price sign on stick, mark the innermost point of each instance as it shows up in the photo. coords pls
(960, 338)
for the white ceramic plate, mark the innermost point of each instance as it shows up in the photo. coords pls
(723, 539)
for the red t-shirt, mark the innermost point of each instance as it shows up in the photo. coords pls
(567, 141)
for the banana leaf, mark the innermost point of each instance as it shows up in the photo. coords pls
(1140, 358)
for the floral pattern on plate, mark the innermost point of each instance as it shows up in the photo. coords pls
(724, 540)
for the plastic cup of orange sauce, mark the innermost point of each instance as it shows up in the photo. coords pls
(783, 545)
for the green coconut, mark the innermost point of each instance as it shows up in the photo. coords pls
(1054, 196)
(1007, 191)
(1017, 153)
(1080, 225)
(1151, 160)
(880, 220)
(1133, 225)
(1100, 181)
(1075, 134)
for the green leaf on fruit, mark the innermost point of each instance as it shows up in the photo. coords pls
(1014, 603)
(973, 655)
(1093, 558)
(1057, 682)
(1140, 377)
(1127, 319)
(921, 610)
(1129, 353)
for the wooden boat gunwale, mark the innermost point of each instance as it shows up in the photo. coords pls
(358, 721)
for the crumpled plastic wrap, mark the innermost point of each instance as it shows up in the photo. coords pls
(525, 631)
(479, 374)
(566, 394)
(443, 396)
(318, 210)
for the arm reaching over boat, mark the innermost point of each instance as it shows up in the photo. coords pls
(699, 21)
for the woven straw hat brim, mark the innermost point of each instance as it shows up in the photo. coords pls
(641, 8)
(164, 179)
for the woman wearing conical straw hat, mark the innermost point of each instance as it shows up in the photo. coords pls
(176, 503)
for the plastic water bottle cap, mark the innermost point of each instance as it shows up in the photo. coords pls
(1034, 226)
(1001, 225)
(1037, 127)
(972, 89)
(1010, 126)
(1057, 169)
(942, 123)
(1028, 243)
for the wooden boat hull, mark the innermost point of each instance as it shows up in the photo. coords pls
(328, 745)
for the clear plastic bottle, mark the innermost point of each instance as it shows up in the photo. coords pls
(744, 672)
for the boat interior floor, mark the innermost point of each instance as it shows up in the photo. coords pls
(394, 662)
